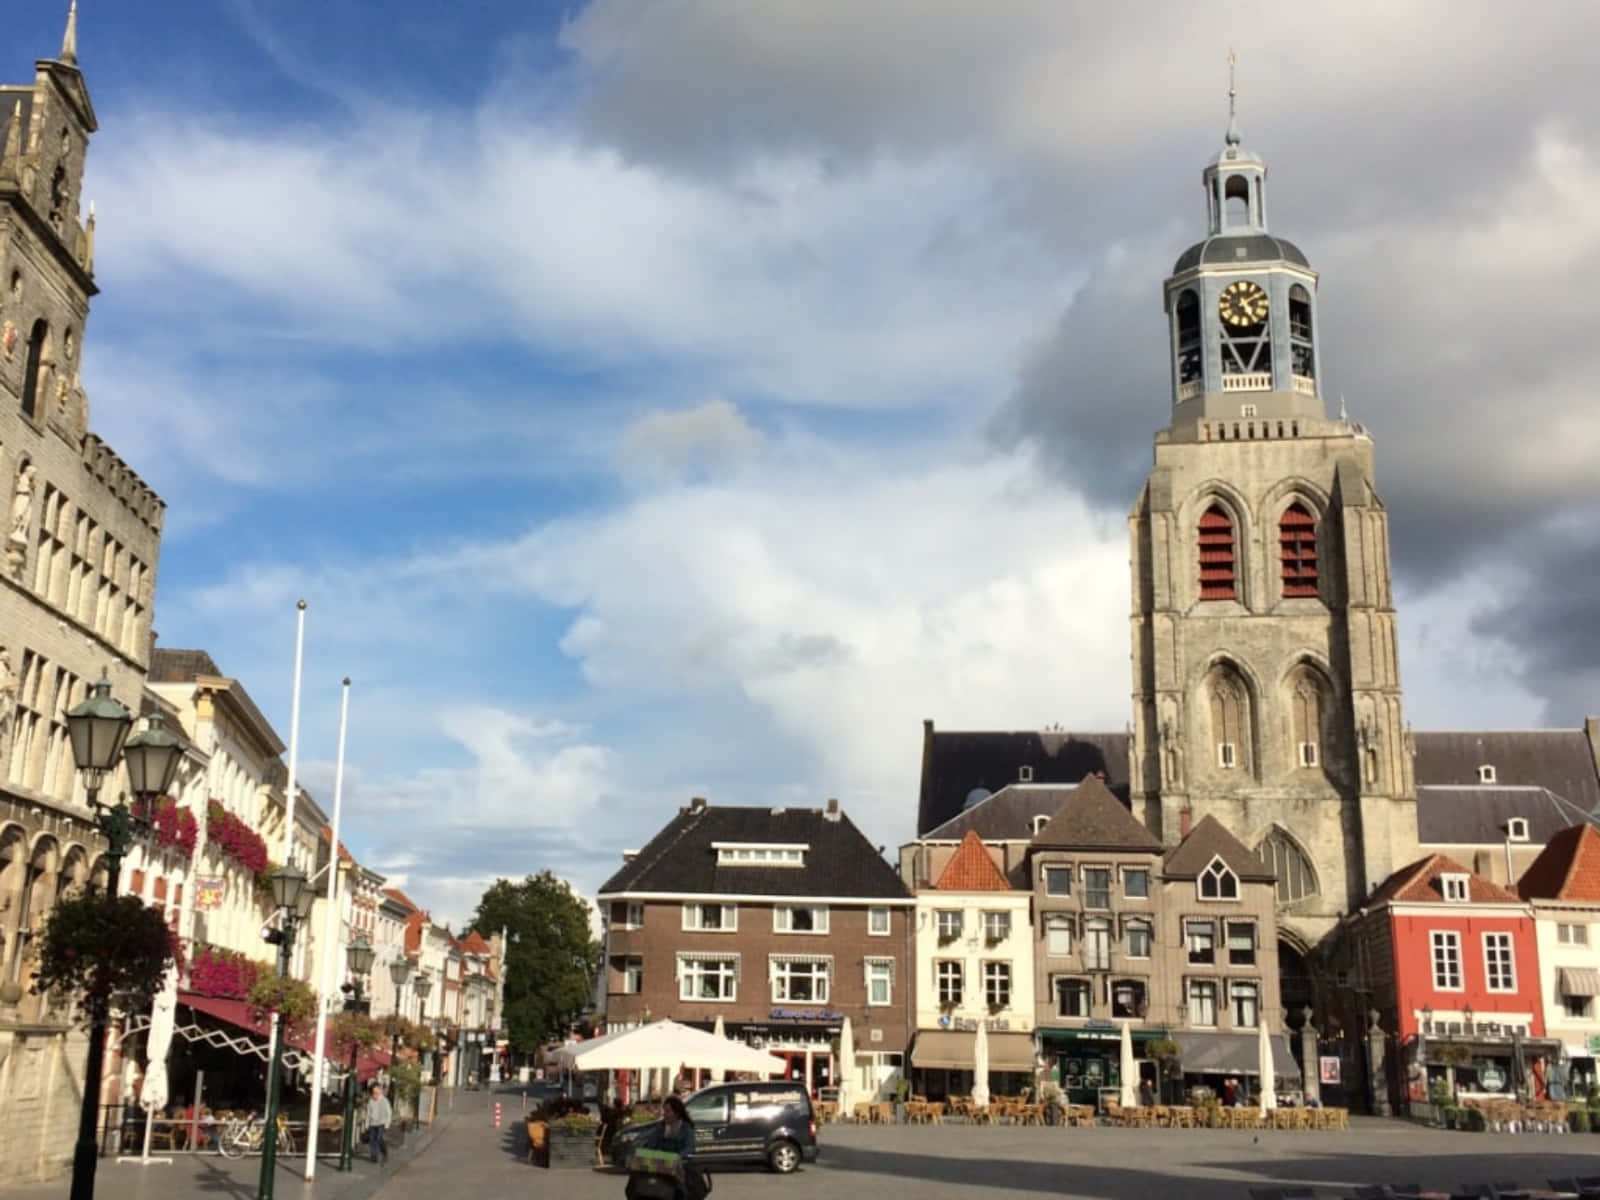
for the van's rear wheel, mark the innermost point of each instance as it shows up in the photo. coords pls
(784, 1157)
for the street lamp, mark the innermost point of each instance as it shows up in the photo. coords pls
(399, 972)
(358, 956)
(423, 985)
(293, 895)
(98, 729)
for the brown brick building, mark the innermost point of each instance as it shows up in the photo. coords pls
(782, 922)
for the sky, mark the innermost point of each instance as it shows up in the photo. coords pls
(654, 400)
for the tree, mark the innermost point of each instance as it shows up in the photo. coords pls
(551, 962)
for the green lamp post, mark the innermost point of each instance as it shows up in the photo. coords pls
(358, 957)
(293, 895)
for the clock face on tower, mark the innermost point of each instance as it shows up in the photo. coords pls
(1242, 303)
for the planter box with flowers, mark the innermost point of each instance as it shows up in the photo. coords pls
(174, 827)
(214, 971)
(570, 1141)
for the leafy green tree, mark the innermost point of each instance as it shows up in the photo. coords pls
(551, 962)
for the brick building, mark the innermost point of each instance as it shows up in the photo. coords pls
(781, 922)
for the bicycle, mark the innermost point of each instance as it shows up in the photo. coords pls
(243, 1135)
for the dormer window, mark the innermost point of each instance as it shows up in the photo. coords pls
(1040, 820)
(1517, 829)
(760, 854)
(1025, 774)
(1218, 882)
(1486, 773)
(1455, 888)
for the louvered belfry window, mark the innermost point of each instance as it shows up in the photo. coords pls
(1297, 543)
(1217, 565)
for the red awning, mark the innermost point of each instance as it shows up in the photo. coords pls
(241, 1014)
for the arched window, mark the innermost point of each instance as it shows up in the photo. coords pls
(1189, 363)
(30, 372)
(1297, 879)
(1230, 710)
(1297, 543)
(1305, 362)
(1218, 569)
(1306, 706)
(1236, 196)
(1217, 882)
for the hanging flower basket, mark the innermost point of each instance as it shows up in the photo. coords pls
(235, 840)
(173, 826)
(97, 947)
(293, 1001)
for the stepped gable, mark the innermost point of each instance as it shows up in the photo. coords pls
(1209, 840)
(1568, 868)
(971, 869)
(1094, 819)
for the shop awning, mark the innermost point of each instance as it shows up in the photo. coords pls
(1579, 981)
(250, 1035)
(1232, 1053)
(952, 1050)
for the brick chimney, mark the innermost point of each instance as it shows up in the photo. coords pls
(831, 813)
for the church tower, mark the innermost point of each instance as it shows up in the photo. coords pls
(1266, 684)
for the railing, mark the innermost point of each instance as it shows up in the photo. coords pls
(1189, 390)
(1256, 381)
(1304, 385)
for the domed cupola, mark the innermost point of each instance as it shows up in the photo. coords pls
(1241, 305)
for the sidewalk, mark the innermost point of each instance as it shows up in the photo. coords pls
(212, 1177)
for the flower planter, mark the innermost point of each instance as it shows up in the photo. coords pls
(569, 1148)
(538, 1143)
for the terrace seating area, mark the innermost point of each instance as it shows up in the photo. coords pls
(1023, 1110)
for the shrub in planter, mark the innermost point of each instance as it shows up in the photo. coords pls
(1578, 1120)
(571, 1141)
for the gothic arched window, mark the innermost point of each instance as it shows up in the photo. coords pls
(30, 372)
(1300, 343)
(1236, 196)
(1297, 879)
(1306, 707)
(1189, 363)
(1218, 569)
(1297, 546)
(1230, 712)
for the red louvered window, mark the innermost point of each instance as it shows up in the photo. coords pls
(1217, 566)
(1297, 545)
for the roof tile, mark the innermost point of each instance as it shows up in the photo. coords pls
(1568, 868)
(1091, 818)
(971, 869)
(1209, 840)
(1419, 883)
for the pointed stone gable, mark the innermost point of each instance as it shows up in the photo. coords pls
(1209, 840)
(1568, 868)
(1094, 819)
(1419, 883)
(971, 869)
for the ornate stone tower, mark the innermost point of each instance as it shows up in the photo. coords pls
(1266, 682)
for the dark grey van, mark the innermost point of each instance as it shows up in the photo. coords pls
(768, 1123)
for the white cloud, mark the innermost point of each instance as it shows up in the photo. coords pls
(707, 437)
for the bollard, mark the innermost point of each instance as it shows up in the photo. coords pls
(497, 1114)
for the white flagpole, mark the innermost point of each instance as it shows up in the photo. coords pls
(332, 943)
(294, 764)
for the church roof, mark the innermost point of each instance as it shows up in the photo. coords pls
(1208, 840)
(1225, 248)
(1561, 760)
(1008, 814)
(1419, 883)
(1568, 868)
(957, 763)
(1477, 814)
(1092, 818)
(971, 869)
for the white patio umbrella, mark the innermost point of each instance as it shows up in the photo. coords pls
(158, 1042)
(845, 1072)
(664, 1046)
(1269, 1074)
(980, 1066)
(718, 1074)
(1128, 1069)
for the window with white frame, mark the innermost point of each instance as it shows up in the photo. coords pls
(948, 981)
(1136, 883)
(711, 918)
(632, 975)
(800, 918)
(800, 980)
(1202, 995)
(760, 854)
(627, 914)
(1138, 935)
(996, 926)
(1241, 943)
(1572, 935)
(879, 922)
(1218, 882)
(1072, 997)
(1246, 1003)
(1097, 887)
(949, 923)
(1446, 960)
(1058, 935)
(997, 984)
(1200, 939)
(1499, 968)
(880, 981)
(1097, 945)
(1058, 881)
(708, 977)
(1517, 829)
(1455, 888)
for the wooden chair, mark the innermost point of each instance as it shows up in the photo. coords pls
(1183, 1117)
(883, 1114)
(863, 1112)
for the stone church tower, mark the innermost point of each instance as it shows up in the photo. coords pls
(1266, 682)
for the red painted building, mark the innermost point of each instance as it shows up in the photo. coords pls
(1450, 962)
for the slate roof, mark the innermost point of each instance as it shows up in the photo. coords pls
(680, 859)
(1568, 868)
(1558, 759)
(1224, 248)
(956, 762)
(1094, 819)
(1476, 814)
(1008, 814)
(1419, 883)
(970, 869)
(1208, 840)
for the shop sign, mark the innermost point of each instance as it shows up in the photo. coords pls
(1100, 1023)
(805, 1014)
(1492, 1077)
(1328, 1068)
(208, 893)
(970, 1024)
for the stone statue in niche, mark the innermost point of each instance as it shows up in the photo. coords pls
(8, 694)
(21, 506)
(1171, 747)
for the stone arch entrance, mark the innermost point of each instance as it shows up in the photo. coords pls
(1294, 978)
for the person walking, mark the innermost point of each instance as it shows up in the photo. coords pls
(379, 1114)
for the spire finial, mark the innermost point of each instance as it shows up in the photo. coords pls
(69, 40)
(1232, 136)
(1344, 414)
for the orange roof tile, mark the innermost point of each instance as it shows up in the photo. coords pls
(1568, 868)
(1419, 883)
(397, 894)
(473, 943)
(971, 869)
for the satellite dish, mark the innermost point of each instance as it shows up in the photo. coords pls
(976, 796)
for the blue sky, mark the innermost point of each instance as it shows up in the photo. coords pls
(654, 400)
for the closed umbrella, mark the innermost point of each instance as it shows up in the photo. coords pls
(846, 1071)
(718, 1074)
(1128, 1069)
(158, 1042)
(1269, 1075)
(980, 1067)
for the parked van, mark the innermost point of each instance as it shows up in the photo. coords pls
(768, 1123)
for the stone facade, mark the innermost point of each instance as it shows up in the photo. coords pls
(78, 560)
